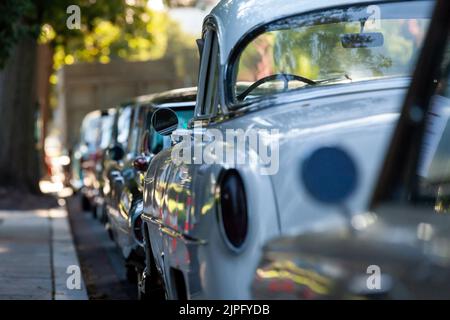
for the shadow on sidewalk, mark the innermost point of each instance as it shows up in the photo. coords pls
(11, 199)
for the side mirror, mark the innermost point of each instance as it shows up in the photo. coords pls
(141, 164)
(164, 121)
(329, 175)
(116, 152)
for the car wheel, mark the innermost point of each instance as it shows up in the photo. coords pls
(85, 203)
(132, 273)
(150, 287)
(110, 231)
(101, 214)
(94, 211)
(150, 281)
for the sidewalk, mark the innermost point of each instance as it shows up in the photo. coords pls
(36, 248)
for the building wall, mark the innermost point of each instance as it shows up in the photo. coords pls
(91, 86)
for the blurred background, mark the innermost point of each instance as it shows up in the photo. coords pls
(51, 75)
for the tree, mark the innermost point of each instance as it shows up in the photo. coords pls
(20, 24)
(190, 3)
(18, 158)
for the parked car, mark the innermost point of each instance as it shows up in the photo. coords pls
(297, 75)
(113, 161)
(125, 207)
(399, 248)
(86, 145)
(86, 156)
(106, 138)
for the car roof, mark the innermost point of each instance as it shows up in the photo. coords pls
(91, 116)
(235, 18)
(171, 96)
(108, 112)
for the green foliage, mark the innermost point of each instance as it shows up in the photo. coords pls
(183, 49)
(143, 37)
(110, 29)
(12, 26)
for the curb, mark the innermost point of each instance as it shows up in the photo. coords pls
(65, 264)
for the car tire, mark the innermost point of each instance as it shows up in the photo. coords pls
(109, 231)
(132, 274)
(94, 211)
(85, 203)
(101, 214)
(150, 282)
(150, 287)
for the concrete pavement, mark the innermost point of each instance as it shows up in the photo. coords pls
(38, 259)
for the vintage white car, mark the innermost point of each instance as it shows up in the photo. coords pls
(399, 247)
(276, 79)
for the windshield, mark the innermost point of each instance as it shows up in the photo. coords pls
(332, 46)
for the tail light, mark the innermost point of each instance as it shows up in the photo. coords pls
(141, 164)
(233, 208)
(98, 155)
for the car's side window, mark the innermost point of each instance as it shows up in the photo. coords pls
(130, 124)
(107, 125)
(207, 98)
(123, 126)
(136, 125)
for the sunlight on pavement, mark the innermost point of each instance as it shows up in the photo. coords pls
(55, 188)
(39, 213)
(50, 187)
(57, 213)
(3, 249)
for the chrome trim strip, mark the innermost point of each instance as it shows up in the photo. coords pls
(171, 232)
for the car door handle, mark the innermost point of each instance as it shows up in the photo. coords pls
(172, 232)
(183, 237)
